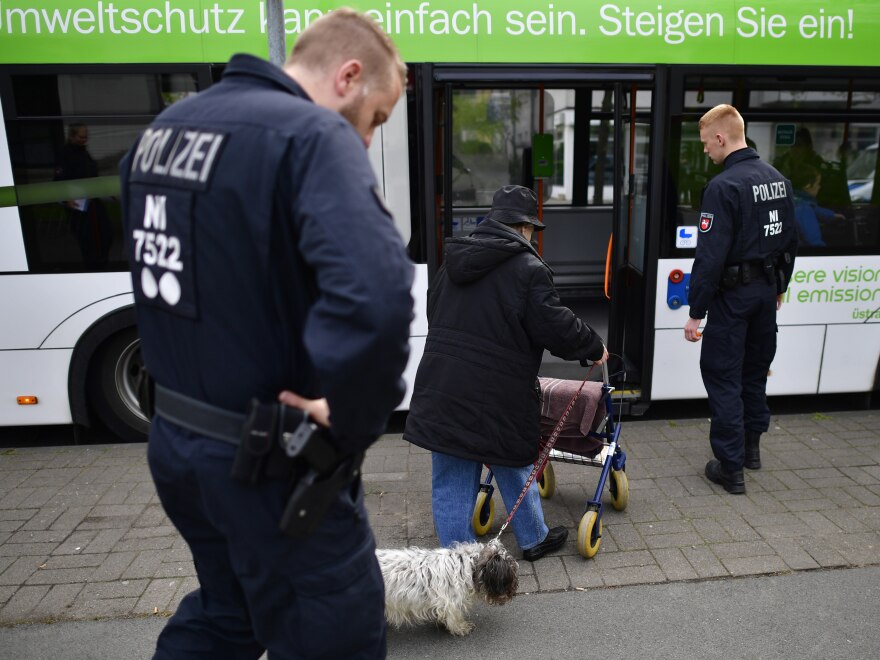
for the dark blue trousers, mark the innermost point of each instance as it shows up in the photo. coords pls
(321, 597)
(739, 343)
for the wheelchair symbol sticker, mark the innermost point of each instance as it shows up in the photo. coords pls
(686, 237)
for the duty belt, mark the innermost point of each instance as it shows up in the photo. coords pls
(755, 270)
(198, 416)
(296, 436)
(267, 433)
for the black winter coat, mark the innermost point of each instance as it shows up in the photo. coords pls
(492, 310)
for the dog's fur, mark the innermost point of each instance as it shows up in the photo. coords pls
(423, 585)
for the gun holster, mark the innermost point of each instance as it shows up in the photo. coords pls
(314, 492)
(258, 435)
(730, 278)
(279, 441)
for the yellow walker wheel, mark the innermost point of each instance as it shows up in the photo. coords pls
(484, 512)
(619, 487)
(589, 534)
(547, 482)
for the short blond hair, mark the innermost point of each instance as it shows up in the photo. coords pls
(345, 34)
(729, 117)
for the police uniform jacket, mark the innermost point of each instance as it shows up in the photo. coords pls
(263, 258)
(492, 310)
(747, 216)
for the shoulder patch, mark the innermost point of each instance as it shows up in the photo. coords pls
(706, 221)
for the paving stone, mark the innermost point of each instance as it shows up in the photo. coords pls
(60, 576)
(704, 562)
(755, 565)
(104, 608)
(21, 569)
(73, 561)
(741, 549)
(664, 527)
(551, 575)
(582, 574)
(815, 503)
(6, 593)
(710, 530)
(117, 493)
(75, 542)
(856, 549)
(157, 597)
(673, 540)
(633, 575)
(528, 584)
(674, 564)
(71, 518)
(39, 497)
(58, 602)
(606, 560)
(790, 479)
(113, 567)
(863, 495)
(845, 520)
(626, 537)
(818, 504)
(105, 540)
(794, 556)
(22, 602)
(738, 528)
(820, 550)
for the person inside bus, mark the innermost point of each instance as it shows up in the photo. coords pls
(87, 216)
(807, 181)
(492, 310)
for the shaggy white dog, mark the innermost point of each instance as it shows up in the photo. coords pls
(439, 585)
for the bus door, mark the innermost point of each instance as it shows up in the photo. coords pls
(578, 138)
(626, 283)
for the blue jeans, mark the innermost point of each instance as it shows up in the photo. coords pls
(454, 485)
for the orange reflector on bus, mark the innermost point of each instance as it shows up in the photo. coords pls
(26, 400)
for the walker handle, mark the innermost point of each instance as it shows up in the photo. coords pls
(590, 363)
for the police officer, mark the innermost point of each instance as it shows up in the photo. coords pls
(266, 266)
(744, 261)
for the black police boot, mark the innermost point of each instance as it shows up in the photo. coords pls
(733, 482)
(753, 452)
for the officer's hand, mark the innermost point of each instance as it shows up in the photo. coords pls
(604, 357)
(779, 298)
(318, 409)
(692, 329)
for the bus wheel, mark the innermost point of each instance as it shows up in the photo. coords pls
(112, 386)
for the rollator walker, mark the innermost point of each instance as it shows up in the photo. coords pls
(588, 436)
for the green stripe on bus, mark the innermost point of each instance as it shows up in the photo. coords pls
(820, 32)
(62, 191)
(7, 196)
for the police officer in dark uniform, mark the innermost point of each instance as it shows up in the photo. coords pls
(266, 269)
(745, 257)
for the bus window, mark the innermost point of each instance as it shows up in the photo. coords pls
(832, 166)
(702, 93)
(66, 135)
(491, 140)
(812, 96)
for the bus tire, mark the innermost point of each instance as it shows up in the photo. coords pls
(112, 386)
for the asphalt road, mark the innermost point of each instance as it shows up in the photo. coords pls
(809, 614)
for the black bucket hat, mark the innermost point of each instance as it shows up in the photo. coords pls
(513, 205)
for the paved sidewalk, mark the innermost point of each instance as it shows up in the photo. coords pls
(82, 535)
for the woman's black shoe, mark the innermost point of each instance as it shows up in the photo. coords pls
(554, 540)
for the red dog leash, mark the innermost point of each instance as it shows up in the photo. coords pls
(545, 453)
